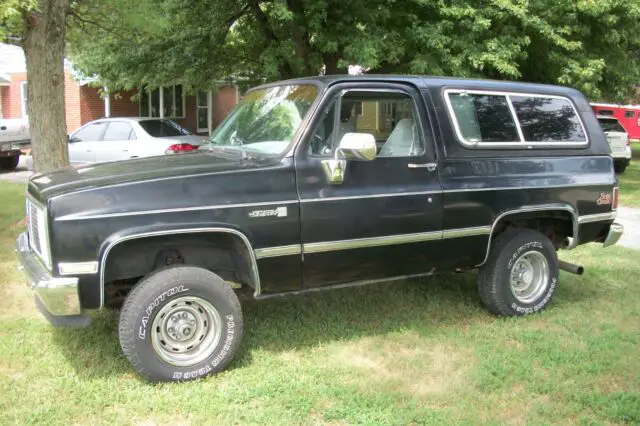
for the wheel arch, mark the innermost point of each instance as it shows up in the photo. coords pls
(522, 212)
(115, 240)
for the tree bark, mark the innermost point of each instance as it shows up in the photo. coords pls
(331, 64)
(43, 44)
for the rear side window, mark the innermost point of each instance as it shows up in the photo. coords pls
(118, 131)
(629, 114)
(484, 118)
(548, 120)
(514, 120)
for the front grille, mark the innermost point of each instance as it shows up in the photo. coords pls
(37, 232)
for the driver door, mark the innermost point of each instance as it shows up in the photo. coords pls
(385, 219)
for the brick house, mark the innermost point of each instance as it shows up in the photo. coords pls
(199, 112)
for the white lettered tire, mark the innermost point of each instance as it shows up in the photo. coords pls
(520, 275)
(180, 323)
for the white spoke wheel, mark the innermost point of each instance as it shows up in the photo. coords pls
(520, 275)
(180, 323)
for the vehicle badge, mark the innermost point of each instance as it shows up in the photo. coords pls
(277, 212)
(605, 198)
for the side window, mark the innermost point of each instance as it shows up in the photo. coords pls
(118, 131)
(548, 119)
(321, 143)
(389, 116)
(483, 118)
(629, 114)
(605, 112)
(91, 132)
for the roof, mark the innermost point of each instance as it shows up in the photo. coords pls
(433, 81)
(5, 80)
(11, 59)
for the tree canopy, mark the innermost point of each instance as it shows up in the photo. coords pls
(588, 44)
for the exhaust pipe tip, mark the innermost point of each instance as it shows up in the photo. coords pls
(570, 267)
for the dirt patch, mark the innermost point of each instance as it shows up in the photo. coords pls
(408, 363)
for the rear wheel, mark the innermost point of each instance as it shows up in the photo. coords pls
(9, 163)
(520, 275)
(620, 167)
(180, 323)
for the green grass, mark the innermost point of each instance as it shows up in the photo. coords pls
(630, 180)
(418, 352)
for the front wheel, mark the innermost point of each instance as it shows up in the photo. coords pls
(180, 323)
(620, 167)
(520, 275)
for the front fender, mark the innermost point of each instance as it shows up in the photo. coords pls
(172, 229)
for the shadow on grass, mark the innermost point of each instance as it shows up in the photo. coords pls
(431, 306)
(425, 306)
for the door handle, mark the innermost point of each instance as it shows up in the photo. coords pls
(429, 166)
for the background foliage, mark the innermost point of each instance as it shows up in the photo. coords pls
(591, 45)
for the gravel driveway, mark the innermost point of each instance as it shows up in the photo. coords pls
(21, 174)
(630, 219)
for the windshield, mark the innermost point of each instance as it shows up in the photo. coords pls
(162, 128)
(611, 125)
(265, 120)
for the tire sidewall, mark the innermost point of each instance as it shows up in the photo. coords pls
(511, 252)
(154, 301)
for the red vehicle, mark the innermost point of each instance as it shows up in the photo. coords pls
(627, 115)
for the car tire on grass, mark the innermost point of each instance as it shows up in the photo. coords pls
(180, 323)
(620, 167)
(9, 163)
(520, 275)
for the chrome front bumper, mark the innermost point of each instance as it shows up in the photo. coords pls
(58, 296)
(615, 232)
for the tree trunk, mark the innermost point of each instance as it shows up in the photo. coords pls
(43, 43)
(331, 64)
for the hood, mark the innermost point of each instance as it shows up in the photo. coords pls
(72, 179)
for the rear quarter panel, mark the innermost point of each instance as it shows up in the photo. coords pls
(480, 184)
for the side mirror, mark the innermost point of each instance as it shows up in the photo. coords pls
(72, 139)
(357, 147)
(352, 146)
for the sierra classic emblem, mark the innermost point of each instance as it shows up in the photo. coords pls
(605, 198)
(278, 212)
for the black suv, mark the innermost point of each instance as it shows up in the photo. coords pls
(321, 183)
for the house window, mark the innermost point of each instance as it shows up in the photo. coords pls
(24, 98)
(164, 101)
(203, 110)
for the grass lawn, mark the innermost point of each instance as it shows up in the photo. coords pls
(422, 351)
(630, 180)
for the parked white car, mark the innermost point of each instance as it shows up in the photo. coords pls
(618, 139)
(122, 138)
